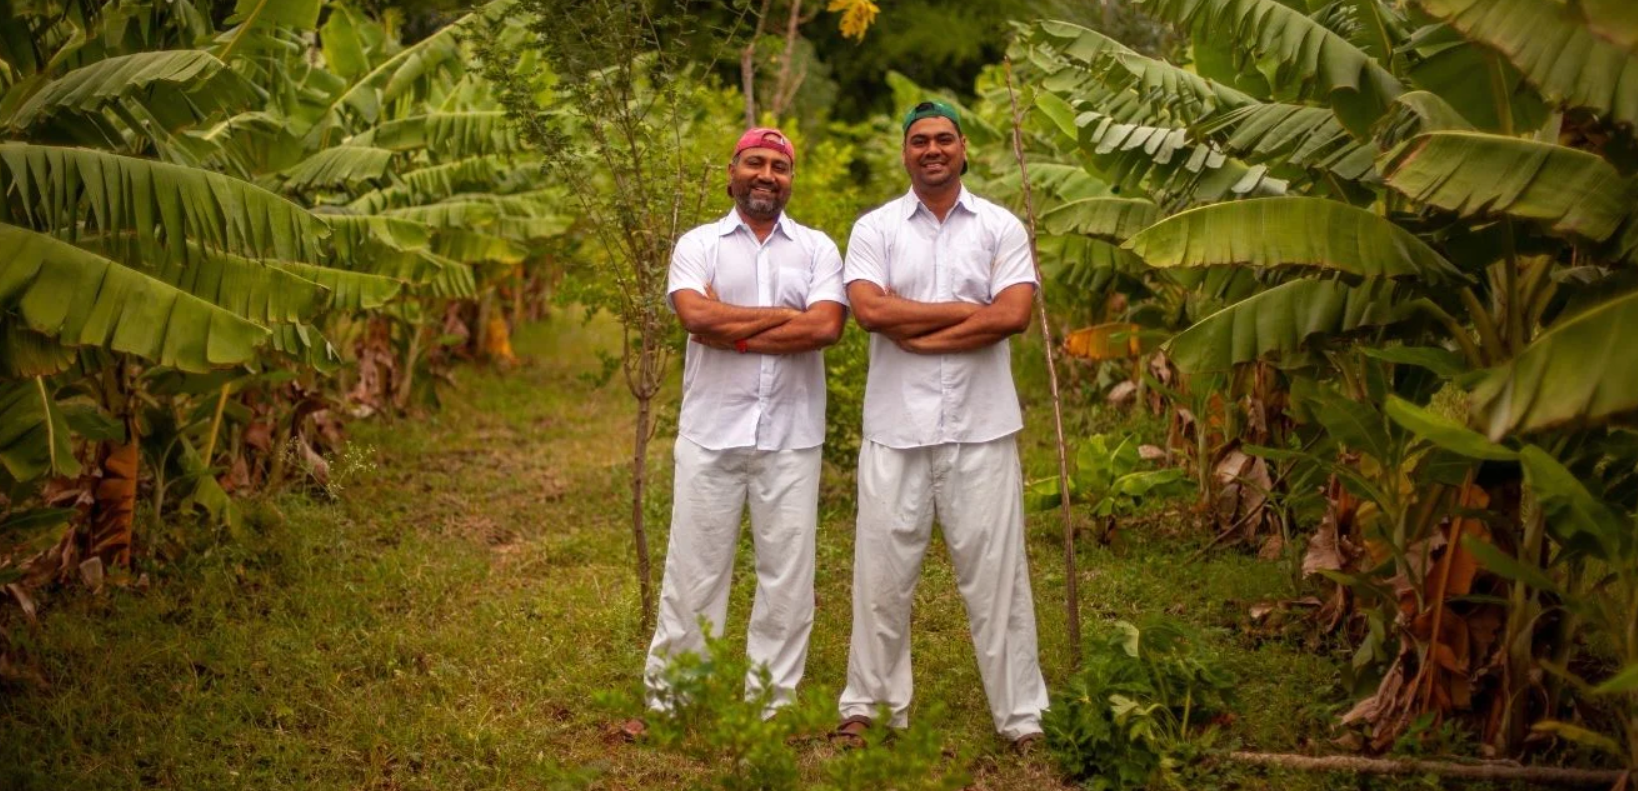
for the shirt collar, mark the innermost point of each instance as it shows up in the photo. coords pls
(964, 199)
(732, 222)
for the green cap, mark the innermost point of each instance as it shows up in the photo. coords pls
(932, 109)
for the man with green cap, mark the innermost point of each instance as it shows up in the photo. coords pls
(941, 278)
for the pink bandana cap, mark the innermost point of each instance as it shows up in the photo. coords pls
(766, 137)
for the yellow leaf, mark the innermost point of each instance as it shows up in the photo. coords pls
(857, 15)
(1114, 341)
(497, 340)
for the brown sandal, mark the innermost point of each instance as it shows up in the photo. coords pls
(850, 732)
(1027, 744)
(633, 730)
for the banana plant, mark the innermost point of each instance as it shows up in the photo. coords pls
(206, 221)
(1436, 234)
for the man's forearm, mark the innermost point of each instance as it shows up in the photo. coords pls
(911, 319)
(899, 318)
(721, 322)
(816, 328)
(732, 330)
(991, 324)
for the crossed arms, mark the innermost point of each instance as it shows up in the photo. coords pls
(941, 327)
(720, 325)
(919, 327)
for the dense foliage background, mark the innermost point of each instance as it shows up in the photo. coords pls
(1345, 286)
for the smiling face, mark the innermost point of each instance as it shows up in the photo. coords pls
(759, 179)
(934, 151)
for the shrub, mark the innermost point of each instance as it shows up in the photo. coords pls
(1123, 719)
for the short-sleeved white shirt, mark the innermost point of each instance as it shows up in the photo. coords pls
(914, 400)
(765, 401)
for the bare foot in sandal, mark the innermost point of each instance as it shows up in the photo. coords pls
(850, 733)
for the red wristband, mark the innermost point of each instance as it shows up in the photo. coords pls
(741, 345)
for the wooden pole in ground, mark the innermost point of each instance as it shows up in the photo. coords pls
(1482, 770)
(1072, 602)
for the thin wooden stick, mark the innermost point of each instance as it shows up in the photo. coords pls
(1486, 770)
(215, 423)
(1072, 601)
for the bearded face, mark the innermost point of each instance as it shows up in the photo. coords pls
(759, 179)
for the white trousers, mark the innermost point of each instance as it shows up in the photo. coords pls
(976, 492)
(711, 490)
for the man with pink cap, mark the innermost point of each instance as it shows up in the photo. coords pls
(760, 296)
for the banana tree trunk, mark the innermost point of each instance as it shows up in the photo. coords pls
(1521, 611)
(115, 502)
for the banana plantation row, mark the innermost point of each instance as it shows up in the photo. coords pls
(1371, 262)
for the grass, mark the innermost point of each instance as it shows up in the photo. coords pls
(464, 616)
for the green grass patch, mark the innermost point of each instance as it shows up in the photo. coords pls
(465, 616)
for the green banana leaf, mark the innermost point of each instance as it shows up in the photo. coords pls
(1163, 161)
(1112, 220)
(306, 345)
(1417, 113)
(1444, 432)
(1474, 174)
(1084, 263)
(437, 182)
(1582, 370)
(1292, 231)
(71, 189)
(1170, 94)
(348, 290)
(448, 214)
(301, 14)
(83, 299)
(260, 291)
(90, 87)
(1293, 134)
(1308, 59)
(337, 167)
(464, 133)
(1570, 65)
(1615, 20)
(1571, 510)
(25, 353)
(33, 434)
(1278, 321)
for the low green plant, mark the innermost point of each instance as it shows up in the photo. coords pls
(714, 719)
(1123, 721)
(1109, 482)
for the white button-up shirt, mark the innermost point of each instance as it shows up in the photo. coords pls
(765, 401)
(913, 400)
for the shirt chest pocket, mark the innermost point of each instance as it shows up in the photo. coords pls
(969, 274)
(793, 280)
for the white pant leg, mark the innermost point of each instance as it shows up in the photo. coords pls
(980, 506)
(784, 500)
(708, 496)
(895, 522)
